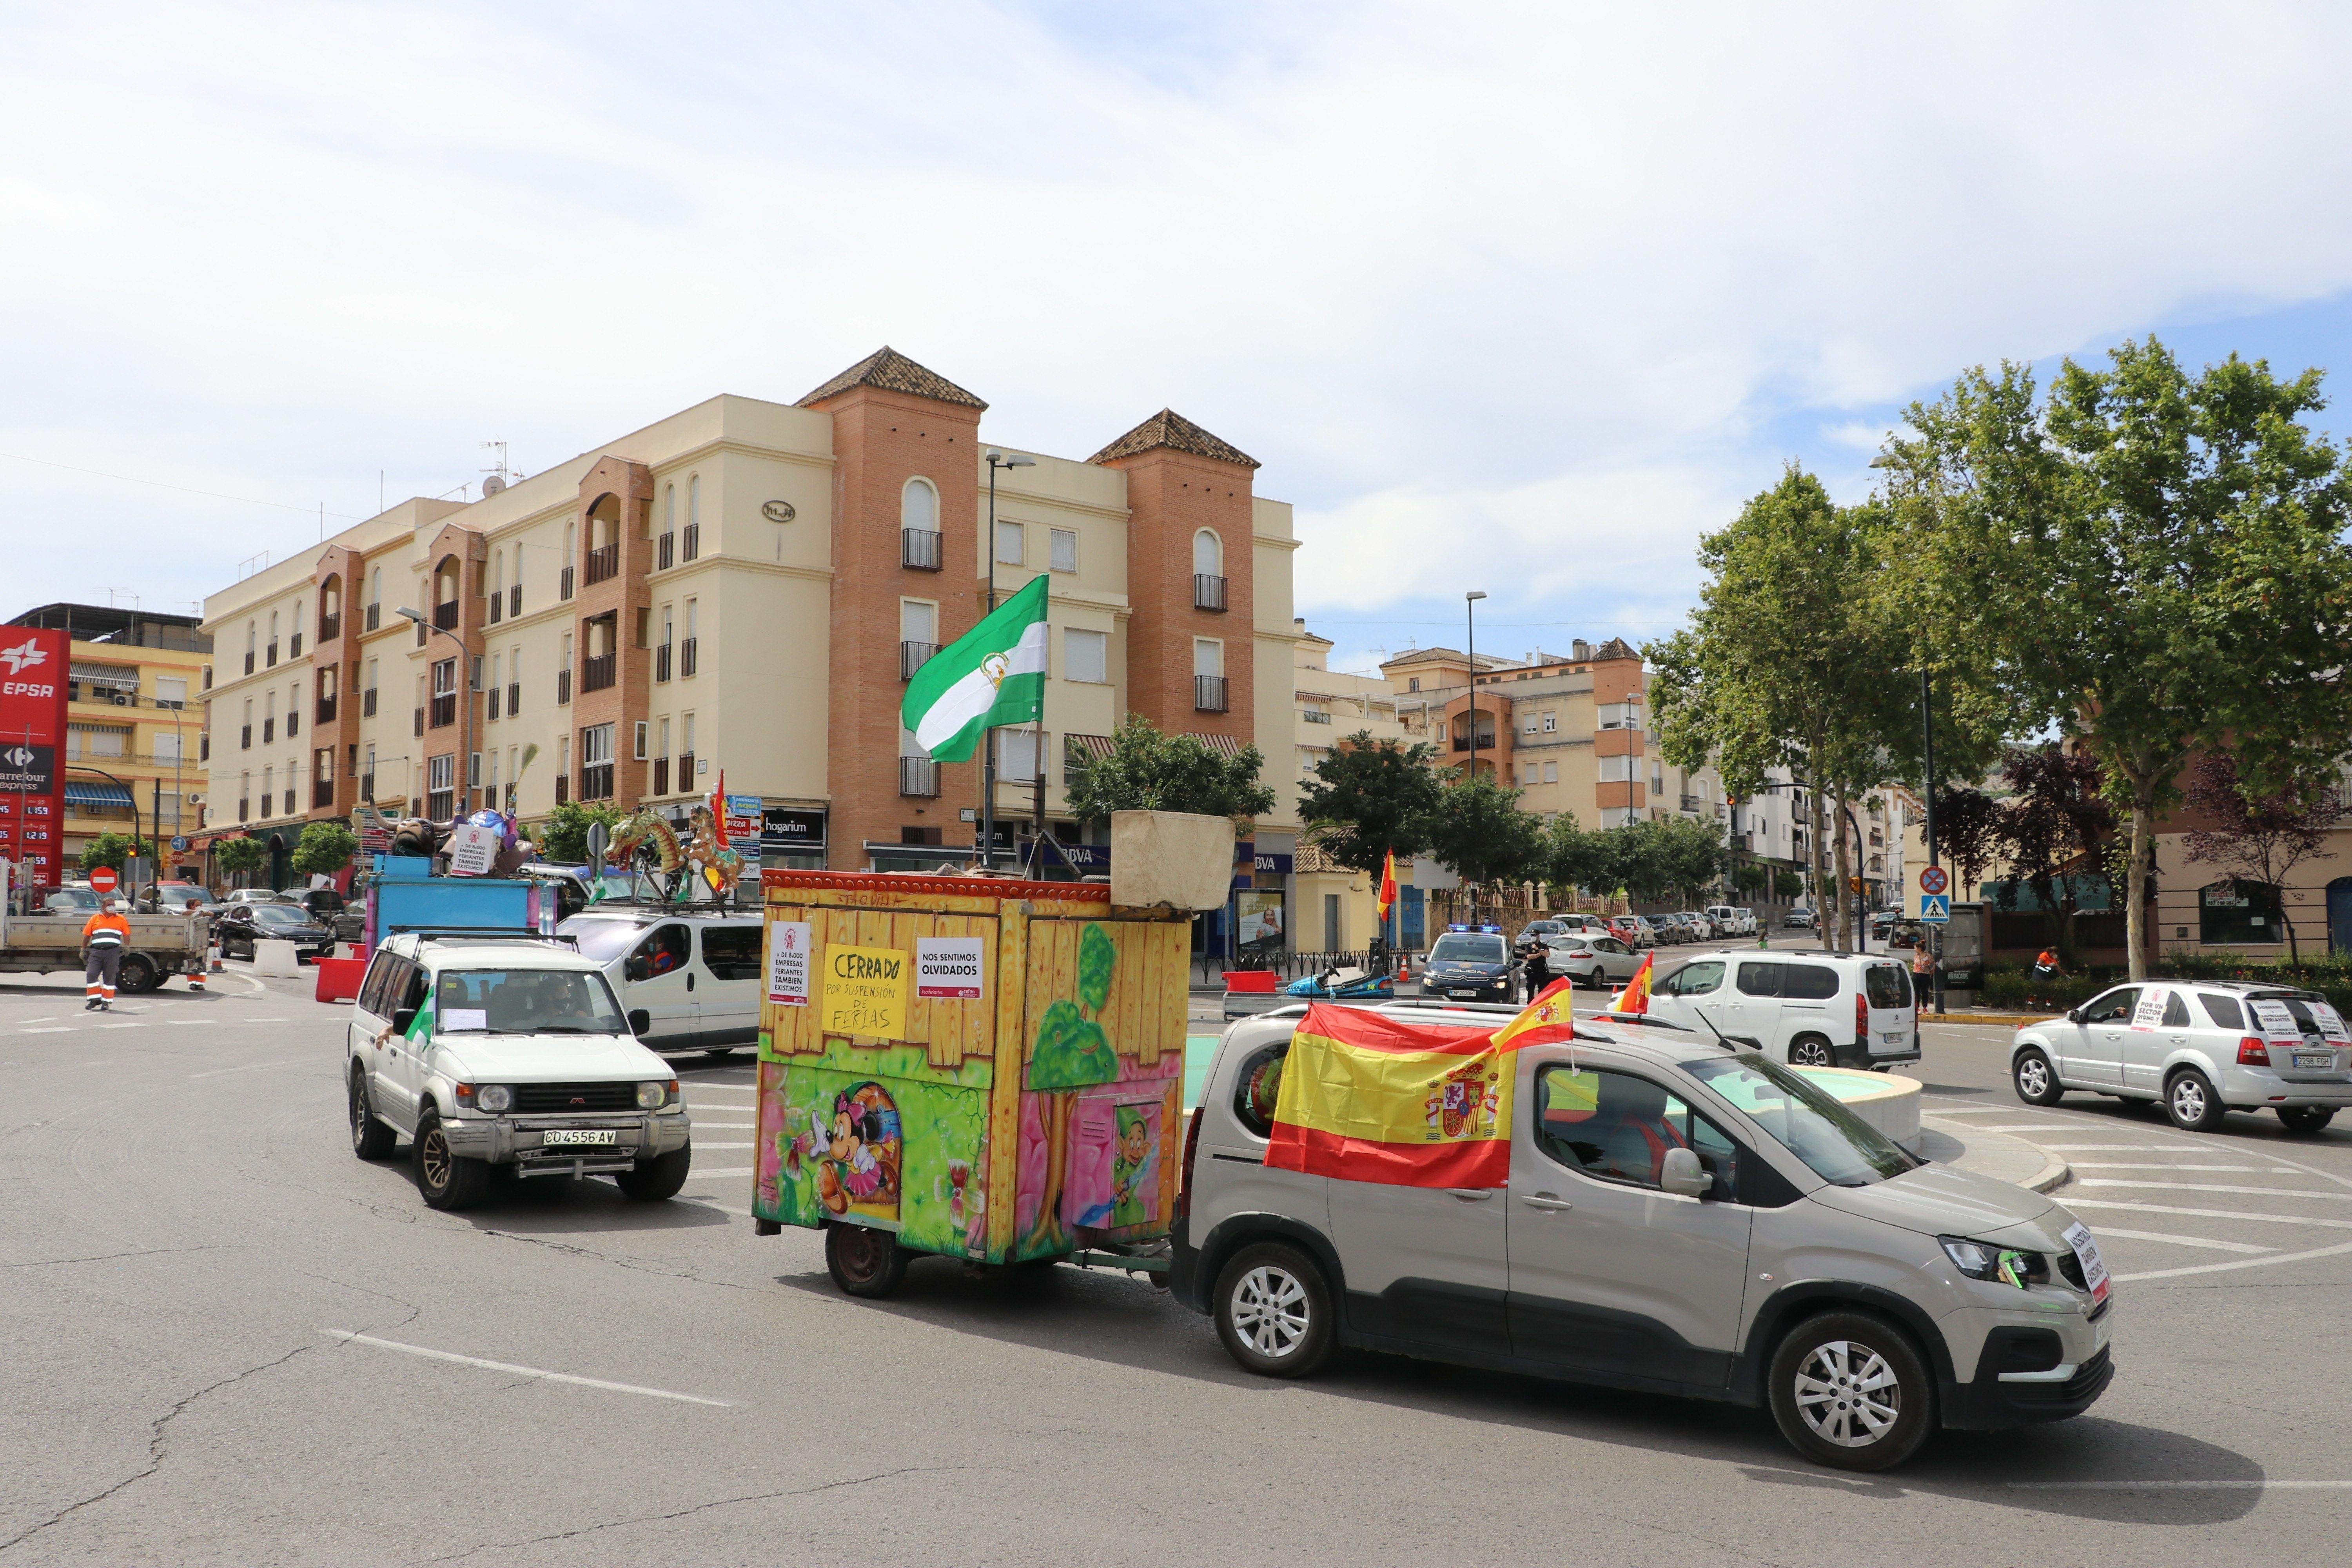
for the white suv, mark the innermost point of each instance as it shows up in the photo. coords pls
(1732, 920)
(511, 1053)
(2202, 1048)
(1809, 1009)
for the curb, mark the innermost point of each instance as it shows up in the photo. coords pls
(2054, 1172)
(2005, 1020)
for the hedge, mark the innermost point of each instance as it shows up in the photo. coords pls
(2328, 974)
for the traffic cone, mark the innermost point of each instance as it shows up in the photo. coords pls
(212, 956)
(196, 981)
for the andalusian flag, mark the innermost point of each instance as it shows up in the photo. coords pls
(1369, 1097)
(1388, 889)
(993, 674)
(1636, 997)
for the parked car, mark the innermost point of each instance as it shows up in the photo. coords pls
(239, 927)
(1534, 933)
(329, 908)
(1593, 958)
(1633, 931)
(1468, 966)
(2202, 1049)
(530, 1064)
(1830, 1009)
(1679, 1218)
(1799, 918)
(259, 896)
(1732, 919)
(1703, 928)
(174, 898)
(694, 972)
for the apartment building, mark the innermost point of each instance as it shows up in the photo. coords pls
(134, 728)
(745, 587)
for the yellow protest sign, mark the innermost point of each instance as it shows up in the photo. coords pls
(864, 991)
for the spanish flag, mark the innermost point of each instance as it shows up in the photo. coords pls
(1388, 889)
(1636, 997)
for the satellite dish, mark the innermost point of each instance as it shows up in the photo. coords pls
(492, 485)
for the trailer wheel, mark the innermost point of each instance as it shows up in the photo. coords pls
(863, 1261)
(138, 975)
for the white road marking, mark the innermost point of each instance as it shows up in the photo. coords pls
(184, 1023)
(2214, 1486)
(2154, 1165)
(2023, 1126)
(738, 1171)
(2076, 1203)
(2182, 1240)
(702, 1145)
(254, 1067)
(348, 1338)
(748, 1126)
(2241, 1263)
(118, 1025)
(2214, 1187)
(67, 1029)
(722, 1209)
(2125, 1148)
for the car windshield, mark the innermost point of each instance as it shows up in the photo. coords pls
(62, 899)
(280, 915)
(603, 939)
(1467, 947)
(1837, 1145)
(525, 1001)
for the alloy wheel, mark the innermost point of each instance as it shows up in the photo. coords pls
(1808, 1053)
(1270, 1310)
(1847, 1394)
(2188, 1098)
(432, 1157)
(2033, 1078)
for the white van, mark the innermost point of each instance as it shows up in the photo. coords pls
(694, 972)
(1825, 1009)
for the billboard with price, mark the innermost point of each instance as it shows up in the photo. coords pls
(32, 748)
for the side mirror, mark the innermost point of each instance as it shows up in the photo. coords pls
(2074, 1015)
(1684, 1176)
(402, 1018)
(641, 1022)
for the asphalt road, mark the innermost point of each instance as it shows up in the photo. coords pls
(227, 1340)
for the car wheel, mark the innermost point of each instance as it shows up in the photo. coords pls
(371, 1139)
(2306, 1117)
(1809, 1051)
(863, 1261)
(1848, 1390)
(651, 1180)
(2192, 1104)
(447, 1180)
(1274, 1310)
(2036, 1080)
(138, 975)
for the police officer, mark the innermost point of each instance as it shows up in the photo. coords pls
(103, 938)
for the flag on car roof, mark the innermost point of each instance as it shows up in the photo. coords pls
(1636, 997)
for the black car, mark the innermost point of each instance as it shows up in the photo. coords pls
(1468, 966)
(330, 909)
(240, 926)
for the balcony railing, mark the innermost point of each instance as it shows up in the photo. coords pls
(293, 721)
(245, 737)
(1314, 715)
(919, 776)
(1209, 694)
(563, 583)
(514, 601)
(514, 698)
(919, 548)
(689, 541)
(661, 776)
(248, 663)
(296, 650)
(596, 780)
(422, 632)
(367, 787)
(661, 665)
(367, 703)
(204, 747)
(665, 551)
(289, 800)
(562, 687)
(1208, 593)
(492, 705)
(562, 788)
(445, 709)
(595, 675)
(445, 617)
(441, 804)
(498, 607)
(271, 660)
(1485, 742)
(269, 730)
(603, 561)
(330, 626)
(685, 770)
(323, 793)
(686, 660)
(913, 656)
(243, 807)
(326, 710)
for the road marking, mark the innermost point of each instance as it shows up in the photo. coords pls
(2241, 1263)
(2151, 1165)
(184, 1022)
(700, 1145)
(348, 1338)
(2178, 1485)
(2128, 1148)
(2076, 1202)
(118, 1025)
(708, 1203)
(2215, 1187)
(740, 1170)
(65, 1029)
(2183, 1241)
(254, 1067)
(2021, 1126)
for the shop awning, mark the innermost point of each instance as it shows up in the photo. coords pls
(112, 675)
(97, 794)
(1224, 743)
(1090, 745)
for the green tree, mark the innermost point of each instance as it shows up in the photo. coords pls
(324, 848)
(563, 837)
(1692, 855)
(1481, 833)
(1149, 771)
(112, 850)
(1370, 797)
(1576, 857)
(240, 857)
(2150, 559)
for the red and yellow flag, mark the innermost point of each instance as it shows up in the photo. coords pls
(1636, 997)
(1388, 888)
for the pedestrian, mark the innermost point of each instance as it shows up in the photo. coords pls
(1538, 969)
(2046, 973)
(1922, 973)
(102, 939)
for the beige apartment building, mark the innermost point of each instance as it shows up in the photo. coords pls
(745, 587)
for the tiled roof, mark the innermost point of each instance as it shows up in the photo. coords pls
(894, 371)
(1615, 647)
(1171, 429)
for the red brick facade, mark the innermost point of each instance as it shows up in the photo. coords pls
(1171, 496)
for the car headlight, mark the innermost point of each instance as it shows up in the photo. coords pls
(653, 1096)
(1996, 1265)
(497, 1098)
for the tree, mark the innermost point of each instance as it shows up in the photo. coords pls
(1149, 771)
(2262, 837)
(1575, 856)
(1370, 797)
(324, 848)
(1968, 833)
(240, 857)
(112, 850)
(2055, 830)
(563, 837)
(1480, 833)
(2148, 560)
(1692, 855)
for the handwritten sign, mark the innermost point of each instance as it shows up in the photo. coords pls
(863, 991)
(950, 967)
(788, 964)
(2330, 1022)
(2150, 1011)
(2277, 1023)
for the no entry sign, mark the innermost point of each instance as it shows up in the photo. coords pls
(101, 879)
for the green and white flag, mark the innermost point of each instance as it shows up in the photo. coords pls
(993, 674)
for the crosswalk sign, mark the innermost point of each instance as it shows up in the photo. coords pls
(1936, 909)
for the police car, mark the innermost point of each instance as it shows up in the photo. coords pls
(1470, 963)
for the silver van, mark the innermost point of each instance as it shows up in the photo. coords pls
(694, 972)
(1809, 1009)
(1679, 1218)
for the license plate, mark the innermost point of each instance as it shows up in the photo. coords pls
(561, 1137)
(2087, 1253)
(1462, 993)
(1895, 1039)
(2315, 1059)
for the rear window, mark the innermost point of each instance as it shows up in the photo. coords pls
(2223, 1010)
(1810, 983)
(1257, 1087)
(1888, 985)
(1467, 947)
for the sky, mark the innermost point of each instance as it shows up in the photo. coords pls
(1515, 299)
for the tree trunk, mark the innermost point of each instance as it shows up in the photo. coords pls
(2142, 845)
(1823, 912)
(1846, 932)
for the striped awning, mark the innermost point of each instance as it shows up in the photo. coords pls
(1091, 745)
(1224, 743)
(112, 675)
(78, 793)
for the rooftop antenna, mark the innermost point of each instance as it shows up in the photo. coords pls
(502, 476)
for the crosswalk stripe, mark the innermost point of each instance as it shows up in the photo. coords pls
(2076, 1203)
(737, 1170)
(2152, 1166)
(2214, 1187)
(2108, 1233)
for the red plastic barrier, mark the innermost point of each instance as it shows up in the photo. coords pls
(339, 978)
(1250, 980)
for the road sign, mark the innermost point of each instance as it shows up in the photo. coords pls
(1934, 880)
(179, 844)
(101, 879)
(1936, 909)
(600, 839)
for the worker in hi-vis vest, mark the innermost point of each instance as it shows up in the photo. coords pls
(102, 940)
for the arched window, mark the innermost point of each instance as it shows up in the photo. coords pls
(918, 505)
(1208, 554)
(568, 530)
(693, 500)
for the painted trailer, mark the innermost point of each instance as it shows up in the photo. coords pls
(977, 1068)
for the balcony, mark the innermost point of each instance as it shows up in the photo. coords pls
(440, 805)
(271, 658)
(514, 698)
(1314, 716)
(248, 663)
(445, 709)
(689, 541)
(296, 650)
(661, 776)
(367, 703)
(422, 632)
(661, 667)
(665, 551)
(595, 674)
(293, 721)
(919, 777)
(245, 808)
(1208, 694)
(204, 747)
(420, 722)
(685, 771)
(322, 794)
(289, 800)
(245, 737)
(919, 549)
(562, 788)
(367, 787)
(563, 583)
(326, 711)
(1693, 805)
(913, 656)
(596, 780)
(514, 600)
(493, 704)
(1485, 742)
(685, 660)
(1208, 593)
(375, 617)
(562, 687)
(330, 626)
(602, 562)
(445, 617)
(269, 730)
(497, 608)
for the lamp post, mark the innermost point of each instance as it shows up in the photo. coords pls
(462, 780)
(1470, 636)
(996, 460)
(128, 793)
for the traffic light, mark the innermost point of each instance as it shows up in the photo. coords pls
(1854, 884)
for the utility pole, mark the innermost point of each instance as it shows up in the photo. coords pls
(988, 736)
(1927, 749)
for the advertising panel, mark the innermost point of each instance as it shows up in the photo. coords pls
(744, 819)
(32, 744)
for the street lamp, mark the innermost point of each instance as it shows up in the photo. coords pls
(463, 781)
(1470, 617)
(996, 460)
